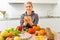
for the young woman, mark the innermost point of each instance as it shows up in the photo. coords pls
(29, 18)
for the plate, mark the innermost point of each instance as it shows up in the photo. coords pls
(25, 36)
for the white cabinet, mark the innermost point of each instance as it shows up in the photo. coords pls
(53, 23)
(13, 23)
(34, 1)
(3, 25)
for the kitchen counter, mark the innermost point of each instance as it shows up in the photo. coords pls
(5, 19)
(45, 17)
(53, 23)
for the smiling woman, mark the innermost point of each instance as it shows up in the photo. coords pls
(29, 18)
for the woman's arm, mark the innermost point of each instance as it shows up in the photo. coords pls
(36, 19)
(21, 20)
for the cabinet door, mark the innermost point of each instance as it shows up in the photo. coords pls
(13, 23)
(53, 23)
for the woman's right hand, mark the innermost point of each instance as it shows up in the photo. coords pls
(27, 19)
(25, 22)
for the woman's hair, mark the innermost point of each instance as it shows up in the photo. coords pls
(29, 3)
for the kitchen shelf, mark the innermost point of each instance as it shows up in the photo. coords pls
(33, 1)
(45, 17)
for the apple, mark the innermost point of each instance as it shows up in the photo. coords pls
(19, 28)
(32, 31)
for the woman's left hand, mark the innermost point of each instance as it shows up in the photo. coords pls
(30, 22)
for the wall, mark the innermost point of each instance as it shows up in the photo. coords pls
(40, 9)
(57, 9)
(5, 6)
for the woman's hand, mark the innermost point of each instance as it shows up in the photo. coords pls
(30, 22)
(27, 19)
(25, 22)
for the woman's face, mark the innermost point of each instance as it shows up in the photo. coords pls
(29, 8)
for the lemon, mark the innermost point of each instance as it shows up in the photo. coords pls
(4, 33)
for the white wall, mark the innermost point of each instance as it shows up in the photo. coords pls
(5, 6)
(57, 9)
(40, 9)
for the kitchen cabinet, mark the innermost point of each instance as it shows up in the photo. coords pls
(3, 25)
(53, 23)
(34, 1)
(13, 23)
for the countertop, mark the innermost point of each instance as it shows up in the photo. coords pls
(45, 17)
